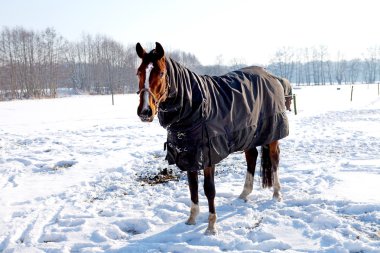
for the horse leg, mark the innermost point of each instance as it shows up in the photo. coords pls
(274, 153)
(192, 177)
(251, 158)
(209, 188)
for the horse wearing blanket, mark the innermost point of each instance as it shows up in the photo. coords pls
(208, 118)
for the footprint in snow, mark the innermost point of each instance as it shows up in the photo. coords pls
(71, 222)
(133, 226)
(20, 160)
(64, 164)
(11, 180)
(53, 237)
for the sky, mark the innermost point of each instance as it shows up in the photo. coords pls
(250, 31)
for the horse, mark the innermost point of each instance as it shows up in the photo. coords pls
(287, 91)
(209, 117)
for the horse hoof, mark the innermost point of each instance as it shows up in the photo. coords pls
(244, 198)
(190, 222)
(277, 196)
(212, 231)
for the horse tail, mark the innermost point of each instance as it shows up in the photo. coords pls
(266, 167)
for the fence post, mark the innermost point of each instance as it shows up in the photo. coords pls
(352, 91)
(295, 104)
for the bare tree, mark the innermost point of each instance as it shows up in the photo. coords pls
(353, 70)
(370, 65)
(283, 62)
(340, 68)
(298, 67)
(307, 66)
(37, 63)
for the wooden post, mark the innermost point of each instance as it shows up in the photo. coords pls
(352, 91)
(295, 104)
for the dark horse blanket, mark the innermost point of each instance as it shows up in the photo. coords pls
(287, 90)
(208, 118)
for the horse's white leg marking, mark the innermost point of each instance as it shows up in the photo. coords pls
(194, 211)
(248, 186)
(276, 186)
(146, 86)
(211, 229)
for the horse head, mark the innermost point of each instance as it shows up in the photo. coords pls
(153, 87)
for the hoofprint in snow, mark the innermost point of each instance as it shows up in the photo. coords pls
(71, 173)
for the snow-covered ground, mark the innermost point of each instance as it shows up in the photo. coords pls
(71, 170)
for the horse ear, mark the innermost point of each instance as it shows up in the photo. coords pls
(159, 51)
(140, 51)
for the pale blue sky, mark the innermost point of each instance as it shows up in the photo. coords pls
(246, 29)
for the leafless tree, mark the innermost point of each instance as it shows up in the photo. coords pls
(353, 70)
(284, 59)
(37, 63)
(340, 68)
(370, 65)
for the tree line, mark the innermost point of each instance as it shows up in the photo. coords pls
(35, 64)
(314, 66)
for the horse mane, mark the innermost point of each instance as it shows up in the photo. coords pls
(177, 72)
(180, 104)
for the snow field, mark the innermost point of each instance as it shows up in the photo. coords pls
(70, 173)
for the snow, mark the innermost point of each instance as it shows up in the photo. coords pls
(71, 170)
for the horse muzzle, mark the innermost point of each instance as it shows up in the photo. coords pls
(146, 115)
(146, 119)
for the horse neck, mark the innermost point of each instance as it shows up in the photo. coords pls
(176, 109)
(179, 76)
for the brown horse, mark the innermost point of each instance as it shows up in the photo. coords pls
(208, 118)
(287, 91)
